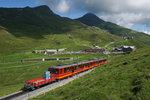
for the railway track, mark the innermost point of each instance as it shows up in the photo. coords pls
(24, 95)
(13, 95)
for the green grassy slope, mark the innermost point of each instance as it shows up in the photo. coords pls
(122, 78)
(139, 39)
(23, 29)
(77, 39)
(34, 22)
(13, 73)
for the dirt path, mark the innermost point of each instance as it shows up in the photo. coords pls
(109, 44)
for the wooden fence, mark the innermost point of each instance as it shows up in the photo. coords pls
(44, 59)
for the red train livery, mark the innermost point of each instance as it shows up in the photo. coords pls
(62, 71)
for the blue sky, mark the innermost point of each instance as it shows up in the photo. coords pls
(132, 14)
(17, 3)
(74, 13)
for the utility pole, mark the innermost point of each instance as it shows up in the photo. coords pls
(77, 64)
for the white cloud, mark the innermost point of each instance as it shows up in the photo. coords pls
(63, 6)
(123, 12)
(123, 19)
(147, 32)
(115, 6)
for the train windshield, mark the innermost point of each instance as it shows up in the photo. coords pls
(55, 71)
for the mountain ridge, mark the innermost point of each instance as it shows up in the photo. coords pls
(93, 20)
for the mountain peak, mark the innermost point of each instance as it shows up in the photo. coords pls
(42, 7)
(90, 15)
(90, 19)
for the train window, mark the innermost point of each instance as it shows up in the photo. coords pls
(65, 70)
(85, 65)
(50, 70)
(88, 64)
(79, 66)
(75, 67)
(68, 69)
(55, 71)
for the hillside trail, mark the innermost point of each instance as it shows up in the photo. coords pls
(109, 44)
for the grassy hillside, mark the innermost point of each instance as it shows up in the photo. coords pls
(27, 29)
(77, 39)
(139, 39)
(13, 73)
(34, 22)
(122, 78)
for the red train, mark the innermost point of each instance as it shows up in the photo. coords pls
(63, 71)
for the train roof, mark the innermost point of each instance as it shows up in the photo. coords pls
(75, 63)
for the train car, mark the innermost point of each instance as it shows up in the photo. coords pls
(62, 71)
(35, 83)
